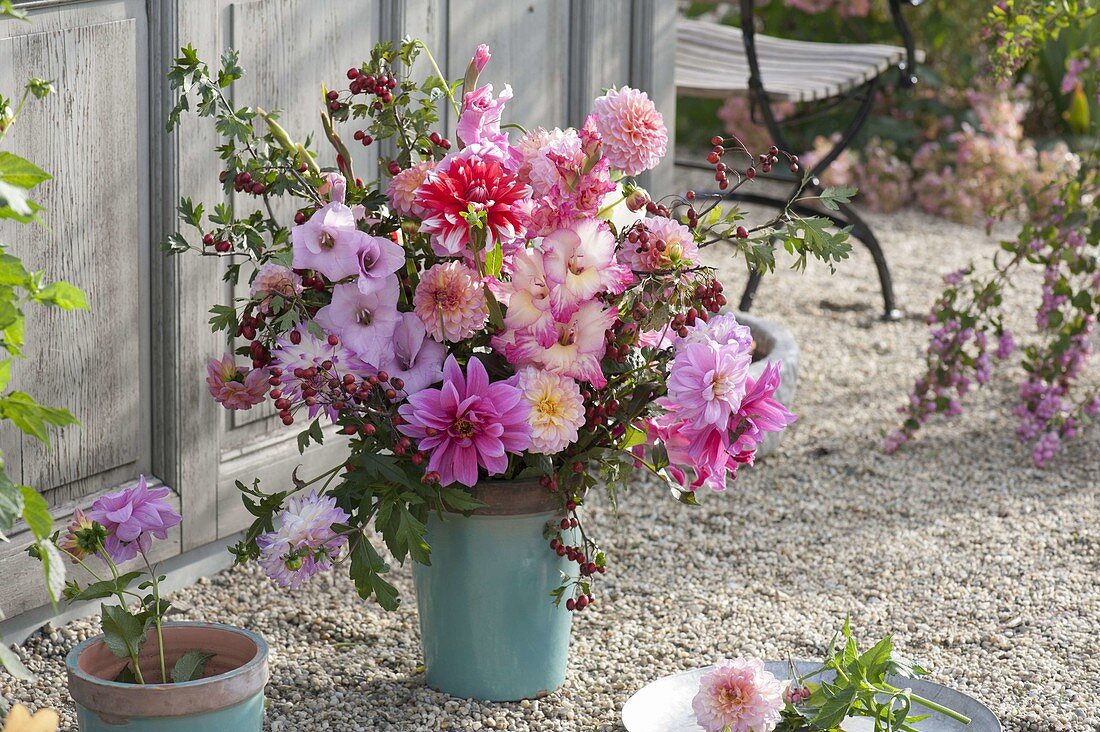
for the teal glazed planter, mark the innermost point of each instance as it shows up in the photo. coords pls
(229, 697)
(489, 628)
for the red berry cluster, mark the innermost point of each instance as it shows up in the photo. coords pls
(797, 695)
(220, 245)
(721, 171)
(243, 183)
(381, 87)
(619, 340)
(771, 158)
(709, 295)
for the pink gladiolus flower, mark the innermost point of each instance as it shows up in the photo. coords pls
(480, 118)
(364, 321)
(576, 350)
(328, 242)
(469, 182)
(304, 541)
(133, 517)
(450, 301)
(481, 57)
(401, 190)
(634, 134)
(580, 263)
(417, 360)
(378, 257)
(467, 423)
(739, 696)
(235, 388)
(528, 298)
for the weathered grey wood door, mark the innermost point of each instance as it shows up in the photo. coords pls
(133, 368)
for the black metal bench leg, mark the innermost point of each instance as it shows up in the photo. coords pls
(861, 231)
(750, 291)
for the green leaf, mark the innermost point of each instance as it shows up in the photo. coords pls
(875, 660)
(32, 417)
(20, 171)
(100, 590)
(834, 195)
(835, 708)
(15, 198)
(36, 512)
(53, 565)
(632, 438)
(12, 271)
(190, 666)
(366, 569)
(63, 295)
(10, 661)
(457, 499)
(11, 502)
(494, 260)
(9, 11)
(123, 632)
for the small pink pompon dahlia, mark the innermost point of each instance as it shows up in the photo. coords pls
(634, 134)
(401, 190)
(739, 696)
(557, 409)
(450, 301)
(670, 245)
(467, 423)
(275, 280)
(235, 388)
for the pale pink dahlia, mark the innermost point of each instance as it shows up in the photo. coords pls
(450, 301)
(275, 280)
(634, 134)
(305, 539)
(557, 409)
(401, 190)
(739, 696)
(471, 183)
(670, 245)
(467, 423)
(707, 381)
(233, 387)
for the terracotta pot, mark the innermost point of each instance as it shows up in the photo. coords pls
(488, 626)
(230, 696)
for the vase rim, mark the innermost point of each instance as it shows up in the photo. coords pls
(512, 497)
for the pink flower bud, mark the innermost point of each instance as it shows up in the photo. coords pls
(481, 57)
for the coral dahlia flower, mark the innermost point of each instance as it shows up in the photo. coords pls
(233, 387)
(471, 182)
(450, 301)
(739, 696)
(467, 423)
(634, 134)
(557, 409)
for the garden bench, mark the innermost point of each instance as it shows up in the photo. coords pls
(715, 60)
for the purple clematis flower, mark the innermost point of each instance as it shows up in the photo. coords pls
(133, 517)
(329, 242)
(417, 360)
(378, 257)
(364, 321)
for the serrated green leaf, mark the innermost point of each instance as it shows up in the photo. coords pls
(190, 666)
(100, 590)
(63, 295)
(123, 632)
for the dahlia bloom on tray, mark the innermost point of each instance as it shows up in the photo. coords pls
(504, 304)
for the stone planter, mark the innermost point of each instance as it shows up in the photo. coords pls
(773, 343)
(488, 626)
(229, 697)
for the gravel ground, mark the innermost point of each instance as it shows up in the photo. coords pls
(982, 566)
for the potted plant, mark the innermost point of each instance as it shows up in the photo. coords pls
(501, 327)
(143, 672)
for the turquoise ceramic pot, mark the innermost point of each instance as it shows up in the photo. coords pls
(489, 628)
(230, 697)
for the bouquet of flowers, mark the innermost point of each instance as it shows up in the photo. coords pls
(509, 304)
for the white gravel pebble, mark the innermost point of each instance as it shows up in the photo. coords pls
(982, 566)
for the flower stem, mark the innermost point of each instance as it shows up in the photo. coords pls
(156, 617)
(929, 704)
(435, 66)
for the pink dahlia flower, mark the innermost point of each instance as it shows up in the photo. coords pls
(580, 263)
(706, 382)
(470, 182)
(739, 696)
(304, 541)
(233, 387)
(467, 423)
(759, 412)
(417, 360)
(721, 329)
(634, 134)
(670, 245)
(450, 301)
(557, 409)
(401, 190)
(364, 321)
(133, 517)
(275, 280)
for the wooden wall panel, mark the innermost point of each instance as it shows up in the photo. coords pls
(96, 236)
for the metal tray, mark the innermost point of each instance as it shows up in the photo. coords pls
(664, 705)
